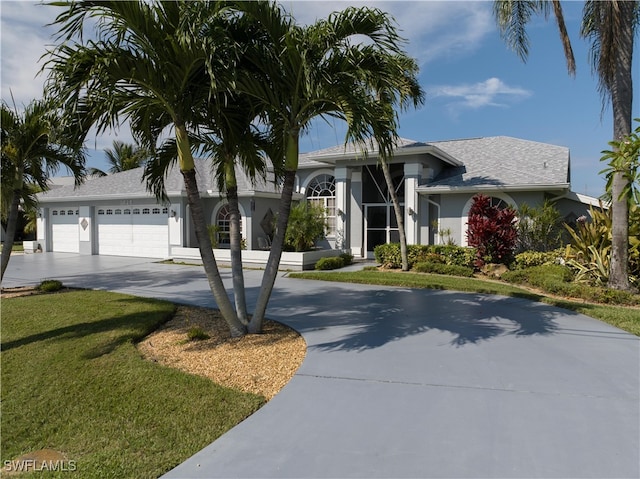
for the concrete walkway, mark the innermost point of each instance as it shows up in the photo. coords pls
(410, 383)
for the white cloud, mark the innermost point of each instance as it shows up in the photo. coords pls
(433, 29)
(491, 92)
(24, 40)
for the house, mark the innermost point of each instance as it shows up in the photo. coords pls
(435, 183)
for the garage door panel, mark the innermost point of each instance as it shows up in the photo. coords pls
(65, 233)
(143, 235)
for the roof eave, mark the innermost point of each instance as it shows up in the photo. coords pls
(481, 188)
(403, 151)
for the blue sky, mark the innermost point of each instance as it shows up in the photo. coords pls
(475, 86)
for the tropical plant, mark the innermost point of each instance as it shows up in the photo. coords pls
(539, 228)
(591, 244)
(154, 63)
(35, 144)
(349, 66)
(122, 157)
(610, 28)
(624, 158)
(492, 231)
(307, 224)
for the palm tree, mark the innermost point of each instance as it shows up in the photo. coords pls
(123, 157)
(231, 137)
(611, 28)
(302, 73)
(149, 65)
(35, 144)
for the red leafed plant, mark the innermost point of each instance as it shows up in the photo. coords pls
(492, 231)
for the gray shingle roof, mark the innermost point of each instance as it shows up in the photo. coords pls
(319, 157)
(129, 184)
(503, 161)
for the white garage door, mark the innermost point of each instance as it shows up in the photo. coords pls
(133, 231)
(65, 231)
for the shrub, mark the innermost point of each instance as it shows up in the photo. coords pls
(50, 285)
(591, 246)
(540, 275)
(347, 258)
(388, 255)
(527, 259)
(307, 224)
(334, 262)
(197, 334)
(441, 268)
(539, 229)
(492, 231)
(456, 255)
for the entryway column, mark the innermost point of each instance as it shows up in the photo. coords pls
(342, 176)
(412, 175)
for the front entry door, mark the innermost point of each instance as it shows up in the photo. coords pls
(380, 225)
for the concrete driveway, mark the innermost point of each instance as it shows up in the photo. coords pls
(410, 383)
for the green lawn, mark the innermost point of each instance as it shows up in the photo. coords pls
(621, 317)
(17, 246)
(73, 381)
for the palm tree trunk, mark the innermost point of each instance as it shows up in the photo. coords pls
(621, 100)
(404, 255)
(187, 168)
(235, 246)
(10, 233)
(208, 259)
(271, 270)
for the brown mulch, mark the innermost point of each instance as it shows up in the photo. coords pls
(20, 291)
(256, 363)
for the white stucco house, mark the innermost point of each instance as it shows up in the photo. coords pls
(435, 182)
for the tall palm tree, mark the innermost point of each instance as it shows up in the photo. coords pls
(122, 157)
(610, 27)
(35, 144)
(147, 64)
(323, 70)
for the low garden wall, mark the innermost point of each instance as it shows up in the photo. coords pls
(256, 258)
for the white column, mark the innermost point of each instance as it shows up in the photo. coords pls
(342, 175)
(412, 175)
(175, 225)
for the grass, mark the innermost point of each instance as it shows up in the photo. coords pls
(622, 317)
(73, 381)
(17, 246)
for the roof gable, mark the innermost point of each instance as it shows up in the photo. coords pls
(503, 161)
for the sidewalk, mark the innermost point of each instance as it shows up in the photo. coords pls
(410, 383)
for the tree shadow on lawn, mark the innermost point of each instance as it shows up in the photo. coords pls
(367, 318)
(121, 329)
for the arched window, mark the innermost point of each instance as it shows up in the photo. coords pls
(223, 226)
(322, 191)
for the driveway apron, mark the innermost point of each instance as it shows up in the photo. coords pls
(409, 383)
